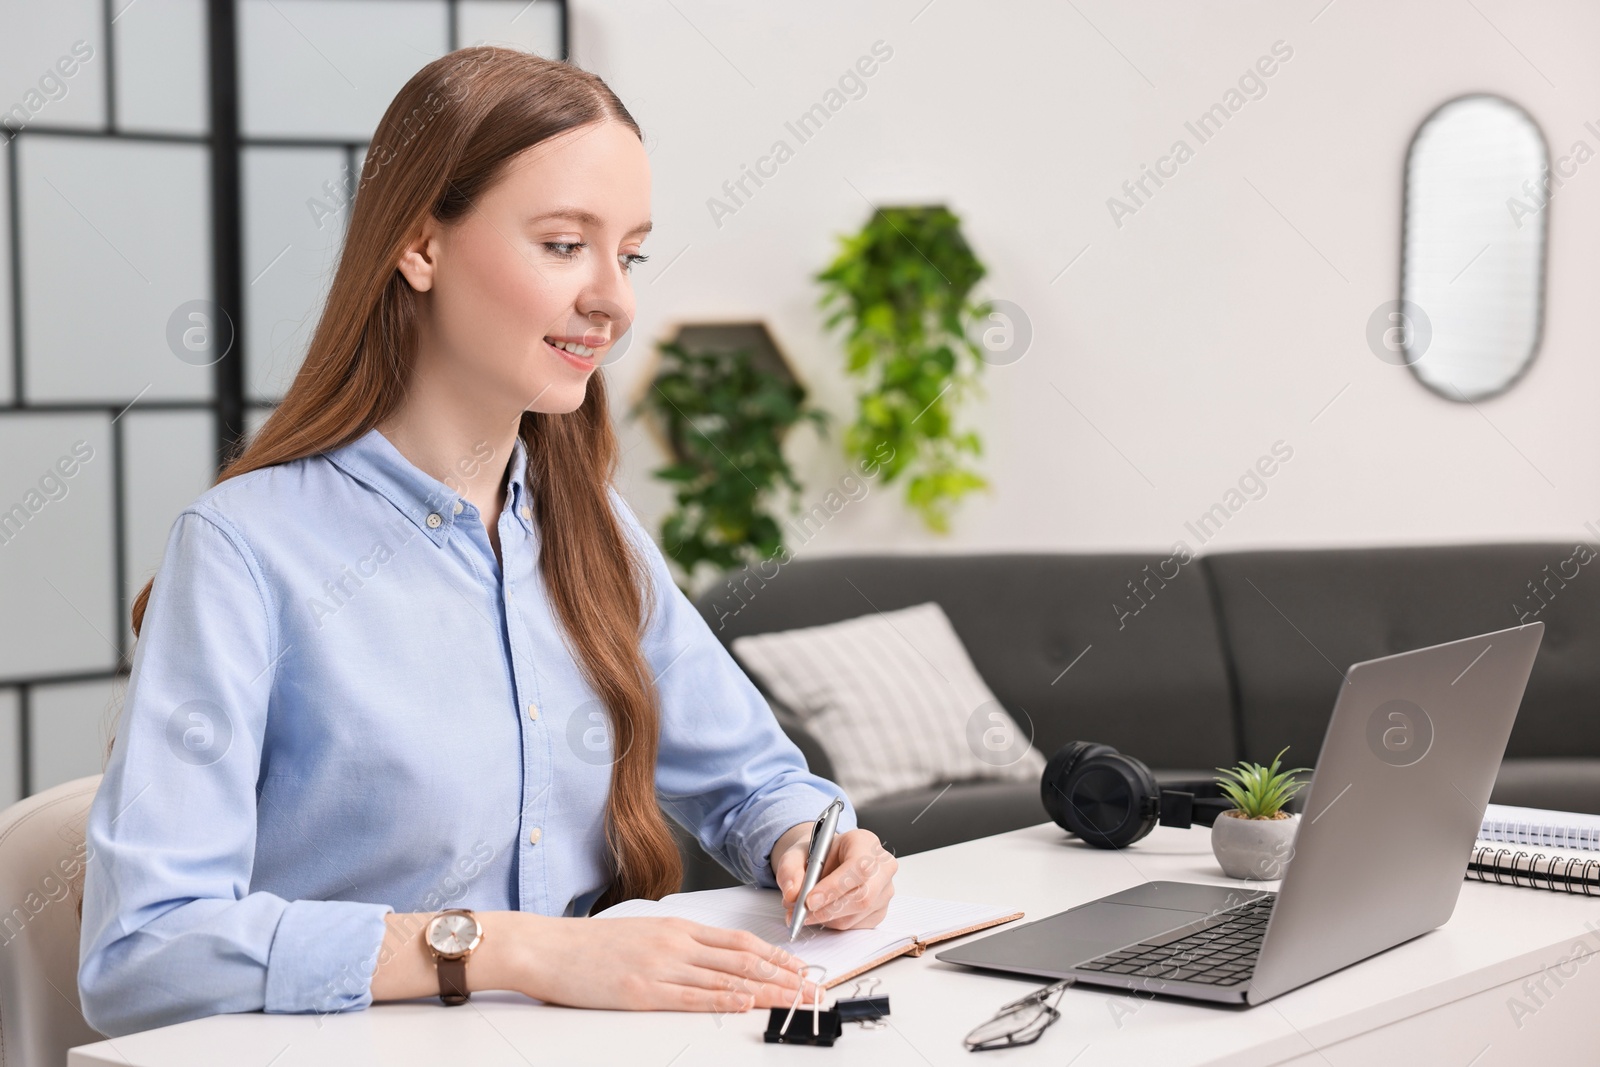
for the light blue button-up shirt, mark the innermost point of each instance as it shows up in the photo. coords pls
(341, 704)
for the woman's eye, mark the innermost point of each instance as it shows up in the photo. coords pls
(568, 249)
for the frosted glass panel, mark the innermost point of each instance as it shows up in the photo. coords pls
(330, 67)
(71, 724)
(7, 354)
(168, 461)
(108, 263)
(56, 545)
(532, 27)
(161, 65)
(10, 748)
(296, 205)
(53, 56)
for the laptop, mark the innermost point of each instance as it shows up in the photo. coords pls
(1389, 820)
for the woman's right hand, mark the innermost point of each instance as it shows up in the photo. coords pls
(649, 964)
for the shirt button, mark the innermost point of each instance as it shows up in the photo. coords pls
(533, 836)
(527, 513)
(533, 711)
(459, 506)
(434, 520)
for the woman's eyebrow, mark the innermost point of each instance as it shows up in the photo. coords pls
(588, 218)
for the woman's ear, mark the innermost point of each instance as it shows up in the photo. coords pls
(421, 257)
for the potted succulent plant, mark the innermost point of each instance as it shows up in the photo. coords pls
(1255, 839)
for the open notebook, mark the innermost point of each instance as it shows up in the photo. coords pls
(911, 925)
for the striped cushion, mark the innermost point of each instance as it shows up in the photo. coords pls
(894, 700)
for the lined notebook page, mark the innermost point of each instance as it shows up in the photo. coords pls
(760, 911)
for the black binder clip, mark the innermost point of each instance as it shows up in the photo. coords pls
(825, 1026)
(868, 1009)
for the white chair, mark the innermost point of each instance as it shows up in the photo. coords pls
(41, 880)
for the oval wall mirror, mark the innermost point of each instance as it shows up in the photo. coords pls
(1472, 257)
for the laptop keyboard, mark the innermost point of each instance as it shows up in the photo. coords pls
(1219, 950)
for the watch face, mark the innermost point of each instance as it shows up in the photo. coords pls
(453, 934)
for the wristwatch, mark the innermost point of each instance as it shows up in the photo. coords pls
(451, 936)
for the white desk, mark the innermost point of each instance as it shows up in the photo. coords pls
(1443, 998)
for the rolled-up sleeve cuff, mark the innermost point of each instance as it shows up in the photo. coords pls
(323, 955)
(799, 804)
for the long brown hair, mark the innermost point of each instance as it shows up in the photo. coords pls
(439, 147)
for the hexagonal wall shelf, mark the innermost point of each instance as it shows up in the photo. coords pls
(712, 337)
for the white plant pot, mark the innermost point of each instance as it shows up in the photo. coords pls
(1258, 849)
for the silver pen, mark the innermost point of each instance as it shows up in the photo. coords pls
(821, 842)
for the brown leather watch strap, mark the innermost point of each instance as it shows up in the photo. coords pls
(453, 980)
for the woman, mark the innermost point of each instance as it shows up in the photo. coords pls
(414, 652)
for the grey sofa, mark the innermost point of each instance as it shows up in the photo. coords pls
(1192, 665)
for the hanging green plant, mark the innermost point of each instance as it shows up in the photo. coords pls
(902, 285)
(725, 417)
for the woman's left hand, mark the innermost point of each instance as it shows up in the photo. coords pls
(856, 884)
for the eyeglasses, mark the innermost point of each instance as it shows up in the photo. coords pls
(1020, 1022)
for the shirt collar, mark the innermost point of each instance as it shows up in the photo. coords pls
(435, 507)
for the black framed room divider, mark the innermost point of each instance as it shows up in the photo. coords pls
(153, 157)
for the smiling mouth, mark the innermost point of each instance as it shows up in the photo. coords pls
(572, 348)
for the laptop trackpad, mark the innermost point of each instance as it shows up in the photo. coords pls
(1060, 942)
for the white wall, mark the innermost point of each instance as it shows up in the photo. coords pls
(1195, 336)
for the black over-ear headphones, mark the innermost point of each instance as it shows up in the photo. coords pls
(1111, 800)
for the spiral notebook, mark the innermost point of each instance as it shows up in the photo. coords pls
(1563, 870)
(911, 925)
(1540, 826)
(1538, 849)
